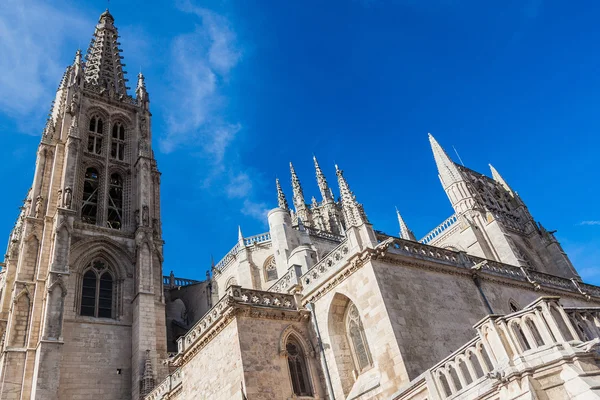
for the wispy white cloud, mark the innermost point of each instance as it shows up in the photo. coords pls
(590, 222)
(257, 210)
(32, 37)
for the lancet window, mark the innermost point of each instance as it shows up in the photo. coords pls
(298, 367)
(117, 149)
(97, 291)
(95, 135)
(357, 339)
(114, 219)
(89, 206)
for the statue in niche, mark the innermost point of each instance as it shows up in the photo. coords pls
(59, 200)
(38, 206)
(27, 206)
(68, 197)
(137, 217)
(145, 218)
(143, 127)
(74, 105)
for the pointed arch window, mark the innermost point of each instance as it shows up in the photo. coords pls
(357, 340)
(95, 135)
(270, 269)
(89, 206)
(97, 291)
(298, 367)
(115, 202)
(117, 149)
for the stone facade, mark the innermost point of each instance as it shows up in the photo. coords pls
(322, 306)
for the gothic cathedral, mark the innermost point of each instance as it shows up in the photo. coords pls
(322, 306)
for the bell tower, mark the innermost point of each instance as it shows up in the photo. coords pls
(81, 291)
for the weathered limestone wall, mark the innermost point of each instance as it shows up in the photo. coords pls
(388, 372)
(432, 312)
(266, 371)
(216, 371)
(92, 355)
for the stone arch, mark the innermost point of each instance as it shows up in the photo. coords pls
(21, 311)
(231, 282)
(61, 246)
(270, 269)
(55, 301)
(303, 340)
(29, 258)
(513, 306)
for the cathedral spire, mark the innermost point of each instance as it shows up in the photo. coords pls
(498, 178)
(405, 233)
(103, 67)
(322, 182)
(281, 200)
(447, 169)
(77, 68)
(353, 211)
(297, 189)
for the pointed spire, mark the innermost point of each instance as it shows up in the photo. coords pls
(405, 233)
(147, 384)
(498, 178)
(140, 90)
(447, 169)
(353, 212)
(281, 200)
(297, 189)
(103, 67)
(322, 182)
(240, 236)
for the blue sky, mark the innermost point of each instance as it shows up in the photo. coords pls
(240, 88)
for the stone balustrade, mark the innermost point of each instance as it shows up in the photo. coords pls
(438, 230)
(170, 384)
(289, 282)
(263, 237)
(172, 281)
(232, 254)
(542, 332)
(336, 257)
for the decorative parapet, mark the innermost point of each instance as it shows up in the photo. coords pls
(262, 238)
(441, 228)
(327, 266)
(541, 334)
(290, 282)
(229, 257)
(171, 281)
(325, 235)
(232, 254)
(171, 384)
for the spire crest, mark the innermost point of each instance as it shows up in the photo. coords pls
(281, 200)
(353, 211)
(299, 202)
(447, 169)
(405, 233)
(498, 178)
(322, 182)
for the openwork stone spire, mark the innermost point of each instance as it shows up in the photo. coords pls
(447, 170)
(103, 66)
(498, 178)
(297, 189)
(281, 200)
(405, 233)
(147, 384)
(322, 182)
(353, 211)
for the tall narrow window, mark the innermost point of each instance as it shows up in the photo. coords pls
(115, 202)
(95, 135)
(298, 369)
(117, 149)
(357, 340)
(89, 206)
(97, 291)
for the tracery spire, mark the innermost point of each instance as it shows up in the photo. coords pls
(498, 178)
(447, 169)
(405, 233)
(297, 189)
(353, 211)
(281, 200)
(322, 182)
(103, 67)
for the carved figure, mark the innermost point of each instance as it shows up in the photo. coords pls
(74, 105)
(59, 200)
(38, 206)
(137, 217)
(68, 197)
(145, 218)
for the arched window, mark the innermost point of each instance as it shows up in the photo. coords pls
(357, 340)
(95, 135)
(298, 368)
(231, 282)
(115, 202)
(270, 269)
(97, 291)
(513, 306)
(117, 149)
(89, 205)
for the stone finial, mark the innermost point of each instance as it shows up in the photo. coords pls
(147, 381)
(281, 200)
(322, 182)
(405, 233)
(447, 169)
(297, 189)
(353, 211)
(240, 235)
(140, 90)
